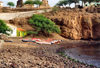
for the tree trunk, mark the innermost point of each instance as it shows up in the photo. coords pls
(82, 4)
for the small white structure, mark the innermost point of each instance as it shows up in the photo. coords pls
(1, 4)
(13, 33)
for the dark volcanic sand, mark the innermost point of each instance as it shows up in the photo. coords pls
(34, 56)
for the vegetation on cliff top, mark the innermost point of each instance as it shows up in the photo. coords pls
(32, 2)
(43, 25)
(29, 2)
(65, 2)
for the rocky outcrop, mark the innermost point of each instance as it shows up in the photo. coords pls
(44, 4)
(77, 24)
(19, 3)
(29, 6)
(92, 9)
(21, 23)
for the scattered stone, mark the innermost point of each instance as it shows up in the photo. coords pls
(3, 37)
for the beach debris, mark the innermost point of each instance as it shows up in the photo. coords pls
(36, 40)
(42, 41)
(26, 40)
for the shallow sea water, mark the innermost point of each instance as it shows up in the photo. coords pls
(86, 54)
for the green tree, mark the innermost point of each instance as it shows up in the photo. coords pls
(37, 2)
(62, 2)
(32, 2)
(29, 2)
(43, 25)
(65, 2)
(4, 28)
(11, 4)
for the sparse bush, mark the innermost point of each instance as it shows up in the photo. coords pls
(4, 28)
(31, 32)
(43, 25)
(55, 9)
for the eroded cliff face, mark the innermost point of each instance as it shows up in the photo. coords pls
(21, 23)
(77, 24)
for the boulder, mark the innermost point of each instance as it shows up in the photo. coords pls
(92, 9)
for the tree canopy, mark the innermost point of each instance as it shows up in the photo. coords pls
(62, 2)
(38, 2)
(29, 2)
(11, 4)
(90, 1)
(43, 25)
(65, 2)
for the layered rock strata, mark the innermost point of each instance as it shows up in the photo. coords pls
(77, 24)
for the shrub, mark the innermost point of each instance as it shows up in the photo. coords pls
(55, 8)
(31, 32)
(4, 28)
(43, 25)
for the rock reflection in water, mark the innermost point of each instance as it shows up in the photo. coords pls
(90, 51)
(86, 54)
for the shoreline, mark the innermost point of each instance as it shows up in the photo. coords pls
(77, 44)
(34, 55)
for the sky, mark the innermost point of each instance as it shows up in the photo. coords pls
(51, 2)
